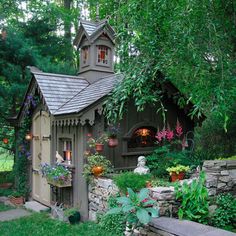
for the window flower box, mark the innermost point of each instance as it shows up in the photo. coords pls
(59, 175)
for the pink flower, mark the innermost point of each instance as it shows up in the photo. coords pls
(169, 135)
(161, 135)
(179, 129)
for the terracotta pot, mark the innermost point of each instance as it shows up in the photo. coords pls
(97, 170)
(113, 142)
(99, 147)
(6, 185)
(175, 177)
(17, 200)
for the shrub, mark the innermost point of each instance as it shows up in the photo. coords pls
(130, 180)
(194, 200)
(225, 214)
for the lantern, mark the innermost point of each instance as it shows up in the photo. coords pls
(28, 136)
(5, 140)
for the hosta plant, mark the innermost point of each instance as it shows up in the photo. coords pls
(139, 208)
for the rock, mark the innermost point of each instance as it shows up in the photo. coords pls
(224, 172)
(211, 182)
(163, 189)
(225, 179)
(104, 183)
(212, 209)
(212, 191)
(221, 185)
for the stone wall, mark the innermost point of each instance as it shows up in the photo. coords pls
(220, 176)
(102, 188)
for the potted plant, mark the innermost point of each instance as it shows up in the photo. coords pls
(177, 172)
(57, 175)
(113, 130)
(98, 143)
(73, 215)
(97, 165)
(139, 209)
(17, 198)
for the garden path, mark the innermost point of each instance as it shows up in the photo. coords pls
(13, 214)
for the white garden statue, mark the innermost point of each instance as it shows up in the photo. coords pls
(141, 169)
(59, 158)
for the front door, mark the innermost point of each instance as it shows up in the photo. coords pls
(41, 154)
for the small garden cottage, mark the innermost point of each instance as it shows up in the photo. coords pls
(68, 108)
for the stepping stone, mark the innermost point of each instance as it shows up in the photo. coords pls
(13, 214)
(36, 206)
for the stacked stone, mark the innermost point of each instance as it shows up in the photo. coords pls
(99, 192)
(168, 206)
(220, 176)
(103, 188)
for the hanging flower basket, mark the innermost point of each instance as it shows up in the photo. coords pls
(99, 147)
(113, 142)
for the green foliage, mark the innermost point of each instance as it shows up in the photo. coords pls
(225, 214)
(96, 160)
(5, 192)
(114, 223)
(130, 180)
(138, 207)
(227, 158)
(42, 224)
(177, 169)
(16, 194)
(6, 177)
(194, 200)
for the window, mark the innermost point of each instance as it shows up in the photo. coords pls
(85, 55)
(143, 137)
(103, 55)
(66, 150)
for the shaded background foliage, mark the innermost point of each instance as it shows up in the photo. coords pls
(191, 44)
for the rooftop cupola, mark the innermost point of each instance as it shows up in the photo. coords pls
(95, 40)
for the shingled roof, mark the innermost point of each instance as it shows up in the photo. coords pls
(71, 94)
(90, 95)
(91, 30)
(58, 89)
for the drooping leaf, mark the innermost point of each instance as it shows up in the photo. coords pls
(143, 216)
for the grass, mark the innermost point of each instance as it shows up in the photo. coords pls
(6, 161)
(39, 224)
(5, 208)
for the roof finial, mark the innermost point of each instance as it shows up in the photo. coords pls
(97, 13)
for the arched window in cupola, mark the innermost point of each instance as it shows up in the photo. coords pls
(103, 54)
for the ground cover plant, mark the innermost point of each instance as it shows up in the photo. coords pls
(225, 214)
(40, 224)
